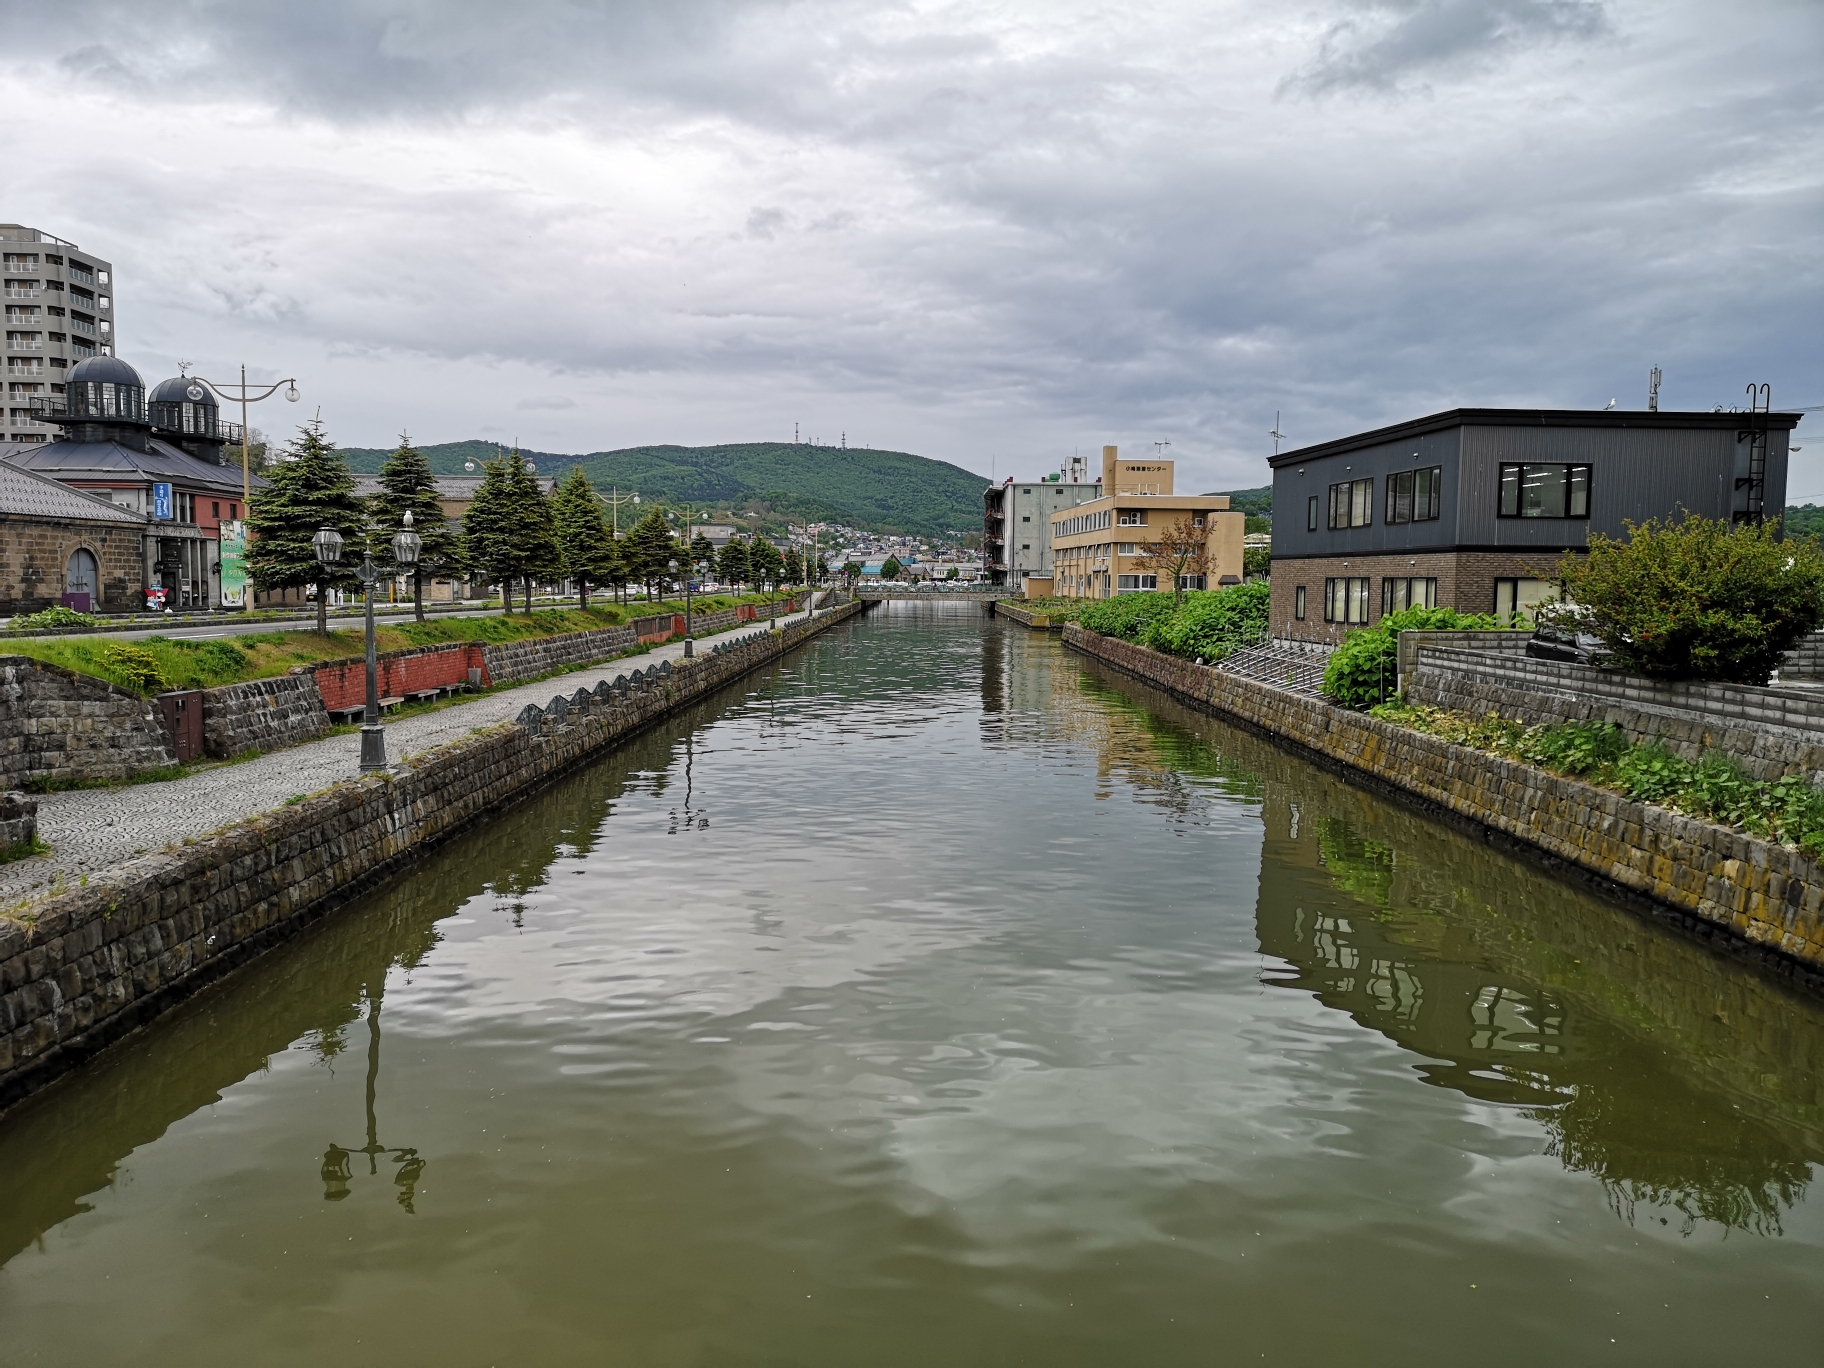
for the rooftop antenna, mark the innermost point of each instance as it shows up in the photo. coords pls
(794, 434)
(845, 441)
(1653, 378)
(1276, 434)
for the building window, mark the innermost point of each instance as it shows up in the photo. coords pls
(1127, 548)
(1025, 546)
(1135, 584)
(1346, 600)
(1400, 594)
(234, 512)
(1197, 521)
(215, 510)
(1545, 491)
(1298, 594)
(1519, 598)
(1414, 495)
(1027, 518)
(1352, 504)
(1311, 514)
(1193, 581)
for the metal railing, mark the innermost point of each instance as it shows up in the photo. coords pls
(77, 325)
(25, 344)
(82, 277)
(24, 292)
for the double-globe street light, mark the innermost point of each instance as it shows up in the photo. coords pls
(690, 644)
(406, 546)
(244, 395)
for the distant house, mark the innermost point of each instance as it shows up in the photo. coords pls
(1471, 509)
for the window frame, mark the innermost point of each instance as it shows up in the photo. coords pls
(1430, 594)
(1354, 506)
(1515, 484)
(1346, 599)
(1405, 491)
(1298, 597)
(1311, 514)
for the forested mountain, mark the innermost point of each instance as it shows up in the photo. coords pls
(879, 490)
(1257, 503)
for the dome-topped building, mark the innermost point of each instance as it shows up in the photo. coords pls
(104, 390)
(183, 412)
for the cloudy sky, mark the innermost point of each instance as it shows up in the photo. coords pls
(987, 232)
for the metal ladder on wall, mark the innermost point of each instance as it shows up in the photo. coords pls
(1760, 403)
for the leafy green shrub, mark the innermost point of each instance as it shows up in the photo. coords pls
(55, 616)
(1365, 669)
(1580, 747)
(1698, 599)
(1126, 615)
(134, 667)
(1213, 624)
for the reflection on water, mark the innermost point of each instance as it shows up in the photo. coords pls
(1685, 1085)
(939, 996)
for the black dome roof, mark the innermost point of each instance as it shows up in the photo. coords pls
(106, 369)
(179, 389)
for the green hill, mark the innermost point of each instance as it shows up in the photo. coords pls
(878, 490)
(1256, 503)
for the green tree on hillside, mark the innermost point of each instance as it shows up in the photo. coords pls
(312, 488)
(583, 538)
(407, 485)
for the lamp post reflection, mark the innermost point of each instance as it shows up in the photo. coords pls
(338, 1163)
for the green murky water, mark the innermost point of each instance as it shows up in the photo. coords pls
(940, 998)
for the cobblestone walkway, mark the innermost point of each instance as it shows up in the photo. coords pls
(89, 830)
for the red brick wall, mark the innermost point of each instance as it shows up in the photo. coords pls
(343, 683)
(1466, 582)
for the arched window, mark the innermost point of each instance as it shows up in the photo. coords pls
(82, 576)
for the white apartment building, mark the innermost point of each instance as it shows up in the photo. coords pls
(1016, 521)
(59, 310)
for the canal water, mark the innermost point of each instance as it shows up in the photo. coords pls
(939, 997)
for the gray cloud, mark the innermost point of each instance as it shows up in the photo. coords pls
(1390, 40)
(984, 233)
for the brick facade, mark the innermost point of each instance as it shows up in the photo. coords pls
(35, 555)
(1466, 582)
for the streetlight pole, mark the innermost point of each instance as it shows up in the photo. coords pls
(244, 395)
(406, 546)
(614, 499)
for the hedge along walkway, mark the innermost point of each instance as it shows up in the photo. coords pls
(90, 830)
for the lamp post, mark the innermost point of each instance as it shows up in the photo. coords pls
(614, 499)
(690, 645)
(406, 546)
(246, 397)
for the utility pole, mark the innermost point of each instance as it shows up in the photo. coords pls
(1653, 378)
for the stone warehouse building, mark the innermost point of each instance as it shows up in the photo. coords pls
(60, 545)
(1471, 509)
(160, 459)
(1099, 548)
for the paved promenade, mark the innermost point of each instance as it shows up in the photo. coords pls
(89, 830)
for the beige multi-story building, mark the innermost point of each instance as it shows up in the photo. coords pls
(1099, 549)
(59, 310)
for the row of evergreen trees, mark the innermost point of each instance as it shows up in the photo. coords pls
(512, 534)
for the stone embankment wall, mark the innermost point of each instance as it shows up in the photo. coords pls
(18, 821)
(263, 714)
(1025, 617)
(57, 726)
(1772, 732)
(1806, 660)
(1761, 894)
(94, 963)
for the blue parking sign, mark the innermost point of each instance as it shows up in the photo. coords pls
(161, 501)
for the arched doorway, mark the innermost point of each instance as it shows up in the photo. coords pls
(81, 581)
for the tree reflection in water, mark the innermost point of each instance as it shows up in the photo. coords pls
(1690, 1087)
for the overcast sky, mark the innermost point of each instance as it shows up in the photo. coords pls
(990, 233)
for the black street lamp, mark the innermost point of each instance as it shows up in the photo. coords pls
(406, 546)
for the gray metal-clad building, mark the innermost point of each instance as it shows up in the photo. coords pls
(1472, 508)
(1016, 522)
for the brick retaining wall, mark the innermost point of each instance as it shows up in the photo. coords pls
(60, 726)
(1763, 895)
(1772, 732)
(94, 963)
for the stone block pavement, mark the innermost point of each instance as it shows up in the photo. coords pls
(90, 830)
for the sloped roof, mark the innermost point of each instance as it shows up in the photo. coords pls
(24, 492)
(110, 460)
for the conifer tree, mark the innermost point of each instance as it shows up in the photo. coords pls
(582, 533)
(766, 561)
(731, 563)
(793, 566)
(702, 553)
(309, 488)
(509, 532)
(649, 550)
(407, 485)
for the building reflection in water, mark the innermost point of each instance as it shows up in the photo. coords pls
(1691, 1087)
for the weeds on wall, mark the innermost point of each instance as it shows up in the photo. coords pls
(1787, 810)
